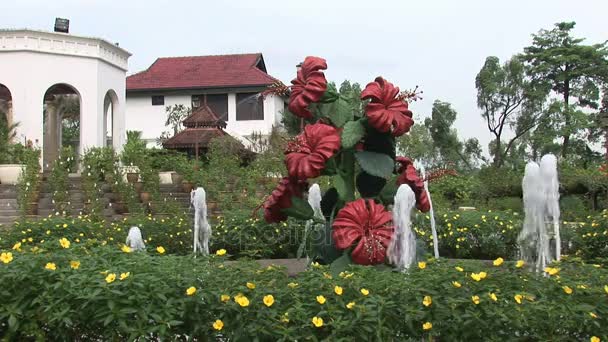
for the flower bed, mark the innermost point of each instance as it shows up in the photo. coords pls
(69, 291)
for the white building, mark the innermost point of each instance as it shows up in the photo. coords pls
(229, 84)
(39, 68)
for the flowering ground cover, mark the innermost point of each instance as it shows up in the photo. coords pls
(65, 290)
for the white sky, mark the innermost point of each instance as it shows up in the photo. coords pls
(437, 44)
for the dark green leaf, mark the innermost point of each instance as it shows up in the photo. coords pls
(340, 264)
(376, 164)
(368, 185)
(352, 133)
(300, 209)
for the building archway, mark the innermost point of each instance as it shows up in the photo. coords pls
(61, 122)
(110, 106)
(6, 113)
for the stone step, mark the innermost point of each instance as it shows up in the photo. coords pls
(8, 212)
(8, 203)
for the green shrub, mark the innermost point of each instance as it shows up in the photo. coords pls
(590, 237)
(152, 302)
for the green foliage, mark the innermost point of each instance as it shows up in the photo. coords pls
(152, 303)
(133, 149)
(175, 115)
(58, 179)
(590, 238)
(28, 185)
(99, 166)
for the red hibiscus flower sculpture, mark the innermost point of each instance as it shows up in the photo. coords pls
(386, 110)
(306, 156)
(280, 198)
(309, 86)
(368, 225)
(409, 175)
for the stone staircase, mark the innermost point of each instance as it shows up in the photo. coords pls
(76, 199)
(9, 209)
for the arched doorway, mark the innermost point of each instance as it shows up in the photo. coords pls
(110, 105)
(8, 131)
(61, 121)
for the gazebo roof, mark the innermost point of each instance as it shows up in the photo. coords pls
(191, 137)
(204, 116)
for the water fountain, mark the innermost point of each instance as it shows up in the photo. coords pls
(402, 248)
(314, 199)
(548, 171)
(135, 240)
(533, 240)
(420, 167)
(202, 229)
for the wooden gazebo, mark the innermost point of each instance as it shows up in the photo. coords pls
(201, 127)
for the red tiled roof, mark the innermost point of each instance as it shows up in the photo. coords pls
(190, 136)
(202, 72)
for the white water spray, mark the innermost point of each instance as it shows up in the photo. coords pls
(402, 248)
(135, 240)
(548, 171)
(202, 229)
(314, 199)
(533, 239)
(431, 212)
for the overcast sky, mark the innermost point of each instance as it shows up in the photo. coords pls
(438, 45)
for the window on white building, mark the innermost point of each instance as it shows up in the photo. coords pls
(249, 106)
(158, 100)
(219, 105)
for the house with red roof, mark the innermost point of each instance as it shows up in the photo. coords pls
(228, 84)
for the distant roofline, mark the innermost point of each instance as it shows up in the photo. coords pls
(59, 34)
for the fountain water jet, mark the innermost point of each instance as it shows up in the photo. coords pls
(135, 240)
(431, 212)
(548, 171)
(202, 229)
(533, 240)
(402, 248)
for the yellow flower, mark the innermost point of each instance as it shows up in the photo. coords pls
(160, 250)
(427, 301)
(482, 275)
(65, 243)
(74, 264)
(316, 264)
(459, 269)
(292, 285)
(224, 298)
(338, 290)
(456, 284)
(126, 249)
(606, 288)
(220, 252)
(218, 324)
(498, 262)
(567, 289)
(475, 299)
(427, 326)
(65, 225)
(321, 299)
(110, 277)
(518, 298)
(285, 318)
(317, 321)
(250, 286)
(595, 339)
(350, 305)
(493, 296)
(421, 265)
(364, 292)
(191, 290)
(50, 266)
(592, 315)
(6, 257)
(17, 246)
(551, 270)
(125, 275)
(476, 276)
(268, 300)
(242, 300)
(520, 264)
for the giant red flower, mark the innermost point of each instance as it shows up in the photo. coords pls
(408, 175)
(280, 198)
(307, 154)
(309, 86)
(386, 110)
(368, 225)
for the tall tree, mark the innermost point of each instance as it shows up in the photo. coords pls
(507, 100)
(572, 70)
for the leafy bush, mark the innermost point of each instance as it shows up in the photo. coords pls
(101, 293)
(590, 237)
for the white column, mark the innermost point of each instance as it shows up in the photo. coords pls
(91, 119)
(119, 134)
(28, 112)
(50, 136)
